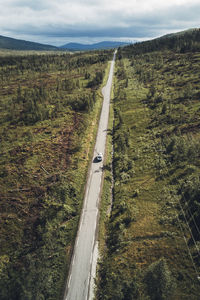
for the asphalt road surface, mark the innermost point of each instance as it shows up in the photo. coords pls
(78, 284)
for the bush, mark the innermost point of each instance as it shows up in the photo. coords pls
(160, 284)
(96, 81)
(114, 283)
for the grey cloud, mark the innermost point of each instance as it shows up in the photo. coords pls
(75, 32)
(36, 5)
(105, 22)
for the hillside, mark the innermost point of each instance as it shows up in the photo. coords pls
(16, 44)
(49, 108)
(96, 46)
(180, 33)
(152, 230)
(150, 233)
(183, 41)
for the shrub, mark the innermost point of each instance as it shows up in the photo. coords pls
(160, 284)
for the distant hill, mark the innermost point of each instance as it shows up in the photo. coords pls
(96, 46)
(180, 33)
(183, 41)
(16, 44)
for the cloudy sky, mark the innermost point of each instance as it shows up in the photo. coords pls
(57, 22)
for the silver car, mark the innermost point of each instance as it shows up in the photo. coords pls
(99, 157)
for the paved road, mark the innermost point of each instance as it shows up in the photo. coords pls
(80, 273)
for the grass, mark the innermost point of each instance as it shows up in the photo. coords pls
(143, 226)
(43, 169)
(6, 52)
(106, 196)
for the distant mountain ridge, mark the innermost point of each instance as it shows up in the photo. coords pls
(16, 44)
(95, 46)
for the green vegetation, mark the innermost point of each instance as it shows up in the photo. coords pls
(153, 232)
(181, 42)
(48, 120)
(106, 196)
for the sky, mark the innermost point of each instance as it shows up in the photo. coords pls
(57, 22)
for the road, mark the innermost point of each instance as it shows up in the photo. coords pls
(78, 284)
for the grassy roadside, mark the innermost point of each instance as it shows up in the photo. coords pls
(105, 204)
(145, 254)
(49, 120)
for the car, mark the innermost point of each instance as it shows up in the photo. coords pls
(99, 157)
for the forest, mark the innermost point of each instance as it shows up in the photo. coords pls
(149, 231)
(49, 109)
(150, 236)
